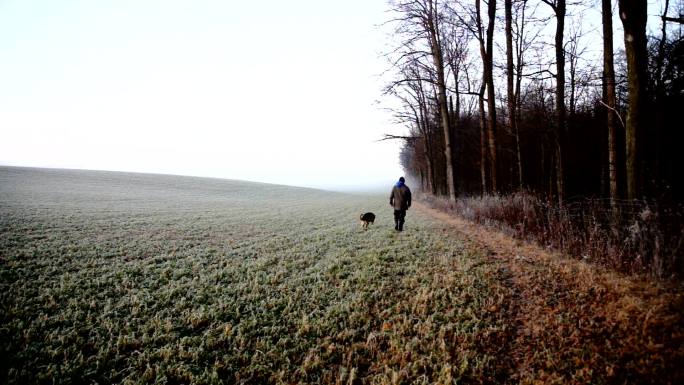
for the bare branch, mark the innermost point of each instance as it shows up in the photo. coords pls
(679, 20)
(615, 111)
(400, 137)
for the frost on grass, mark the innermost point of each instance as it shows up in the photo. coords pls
(110, 277)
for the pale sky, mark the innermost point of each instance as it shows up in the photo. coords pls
(273, 91)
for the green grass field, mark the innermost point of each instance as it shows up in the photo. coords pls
(132, 278)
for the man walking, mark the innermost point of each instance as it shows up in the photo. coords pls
(400, 199)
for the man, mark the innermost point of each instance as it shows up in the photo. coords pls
(400, 199)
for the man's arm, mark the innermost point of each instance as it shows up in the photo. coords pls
(408, 197)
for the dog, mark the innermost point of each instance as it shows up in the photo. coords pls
(366, 219)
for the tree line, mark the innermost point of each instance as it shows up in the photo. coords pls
(529, 95)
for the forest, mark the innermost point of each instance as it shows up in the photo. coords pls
(557, 121)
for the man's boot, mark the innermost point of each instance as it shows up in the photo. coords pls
(396, 224)
(401, 226)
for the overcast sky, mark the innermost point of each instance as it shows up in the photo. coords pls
(273, 91)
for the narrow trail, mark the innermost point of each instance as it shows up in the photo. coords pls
(574, 322)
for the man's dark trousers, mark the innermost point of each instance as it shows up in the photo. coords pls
(399, 216)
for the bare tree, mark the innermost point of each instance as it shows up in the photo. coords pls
(420, 22)
(660, 58)
(510, 95)
(488, 71)
(522, 43)
(485, 40)
(483, 138)
(609, 98)
(558, 7)
(574, 51)
(424, 127)
(442, 87)
(633, 15)
(431, 20)
(455, 42)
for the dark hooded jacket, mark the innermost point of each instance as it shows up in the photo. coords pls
(400, 198)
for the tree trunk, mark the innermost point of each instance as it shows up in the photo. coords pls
(609, 99)
(518, 82)
(491, 97)
(573, 84)
(511, 98)
(633, 16)
(483, 150)
(428, 165)
(438, 60)
(561, 125)
(455, 120)
(427, 135)
(454, 141)
(488, 80)
(660, 59)
(659, 111)
(429, 150)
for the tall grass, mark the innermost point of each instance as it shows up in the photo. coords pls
(634, 236)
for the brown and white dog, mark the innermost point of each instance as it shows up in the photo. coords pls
(366, 219)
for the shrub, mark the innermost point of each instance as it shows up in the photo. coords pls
(635, 236)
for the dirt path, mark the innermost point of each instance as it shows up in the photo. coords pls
(573, 322)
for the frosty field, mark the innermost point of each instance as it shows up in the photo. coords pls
(132, 278)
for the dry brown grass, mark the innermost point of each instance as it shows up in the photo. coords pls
(579, 323)
(633, 237)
